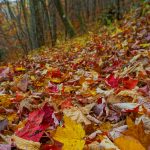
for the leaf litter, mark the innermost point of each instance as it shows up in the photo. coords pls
(94, 96)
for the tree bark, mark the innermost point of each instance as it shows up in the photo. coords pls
(68, 25)
(36, 24)
(22, 3)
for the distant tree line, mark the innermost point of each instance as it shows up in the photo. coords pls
(31, 24)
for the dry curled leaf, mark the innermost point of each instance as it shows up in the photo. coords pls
(107, 144)
(77, 115)
(26, 144)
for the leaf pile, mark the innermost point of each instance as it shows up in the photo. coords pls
(95, 96)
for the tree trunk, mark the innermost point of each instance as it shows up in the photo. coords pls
(87, 10)
(53, 22)
(68, 25)
(49, 20)
(79, 16)
(66, 12)
(36, 24)
(94, 10)
(18, 27)
(22, 3)
(118, 10)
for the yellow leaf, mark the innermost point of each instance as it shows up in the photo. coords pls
(128, 143)
(26, 144)
(5, 100)
(68, 89)
(20, 69)
(145, 45)
(21, 124)
(71, 135)
(93, 92)
(105, 127)
(12, 117)
(33, 78)
(56, 80)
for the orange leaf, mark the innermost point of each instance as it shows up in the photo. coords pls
(128, 143)
(137, 131)
(129, 122)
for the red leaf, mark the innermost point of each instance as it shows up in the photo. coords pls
(112, 81)
(52, 147)
(56, 74)
(129, 83)
(66, 104)
(52, 88)
(37, 123)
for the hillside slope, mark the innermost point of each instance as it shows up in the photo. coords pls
(85, 94)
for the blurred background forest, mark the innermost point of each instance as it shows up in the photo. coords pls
(29, 24)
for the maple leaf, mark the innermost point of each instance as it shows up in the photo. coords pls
(38, 121)
(137, 131)
(71, 135)
(112, 81)
(128, 143)
(129, 83)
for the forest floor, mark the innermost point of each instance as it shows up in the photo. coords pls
(90, 93)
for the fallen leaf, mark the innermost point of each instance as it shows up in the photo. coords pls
(23, 83)
(137, 132)
(146, 121)
(20, 69)
(4, 73)
(5, 147)
(128, 143)
(129, 122)
(26, 144)
(71, 135)
(3, 124)
(129, 83)
(92, 146)
(117, 132)
(128, 107)
(66, 104)
(112, 81)
(107, 144)
(77, 115)
(129, 93)
(38, 121)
